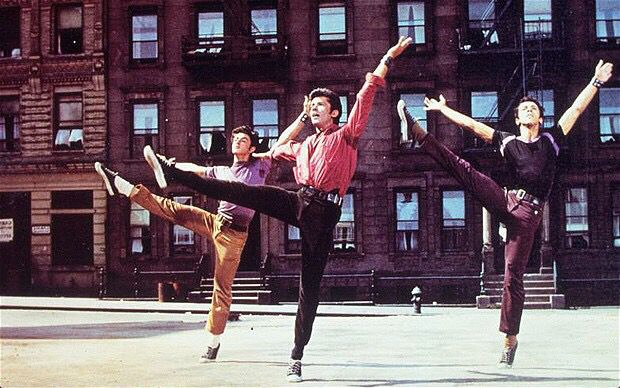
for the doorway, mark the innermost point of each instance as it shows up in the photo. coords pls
(15, 267)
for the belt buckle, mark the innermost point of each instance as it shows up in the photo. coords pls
(521, 193)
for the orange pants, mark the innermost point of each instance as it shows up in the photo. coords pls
(228, 244)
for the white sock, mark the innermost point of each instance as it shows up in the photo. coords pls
(214, 340)
(123, 186)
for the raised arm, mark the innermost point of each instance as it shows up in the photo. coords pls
(191, 167)
(602, 74)
(290, 133)
(479, 129)
(392, 53)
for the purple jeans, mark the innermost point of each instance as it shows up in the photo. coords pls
(520, 217)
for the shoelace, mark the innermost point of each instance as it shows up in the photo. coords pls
(168, 162)
(294, 368)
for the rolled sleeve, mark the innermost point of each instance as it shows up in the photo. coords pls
(287, 151)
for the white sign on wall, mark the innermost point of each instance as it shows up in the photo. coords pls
(6, 229)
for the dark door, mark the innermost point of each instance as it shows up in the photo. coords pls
(250, 257)
(15, 254)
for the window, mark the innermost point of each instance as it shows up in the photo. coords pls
(182, 238)
(264, 26)
(69, 29)
(72, 227)
(576, 206)
(410, 16)
(293, 239)
(332, 28)
(265, 121)
(69, 126)
(9, 124)
(344, 102)
(615, 213)
(139, 230)
(453, 222)
(145, 127)
(483, 109)
(537, 19)
(415, 106)
(10, 32)
(481, 32)
(607, 21)
(407, 220)
(212, 130)
(609, 115)
(344, 233)
(211, 31)
(545, 97)
(144, 38)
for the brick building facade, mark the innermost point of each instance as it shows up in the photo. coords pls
(52, 128)
(182, 74)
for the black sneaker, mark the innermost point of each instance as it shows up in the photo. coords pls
(293, 374)
(108, 178)
(408, 124)
(210, 355)
(159, 164)
(508, 356)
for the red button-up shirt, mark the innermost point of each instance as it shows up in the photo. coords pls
(327, 159)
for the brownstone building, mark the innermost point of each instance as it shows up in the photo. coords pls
(52, 128)
(182, 74)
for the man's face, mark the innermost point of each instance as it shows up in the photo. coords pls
(241, 145)
(528, 114)
(321, 113)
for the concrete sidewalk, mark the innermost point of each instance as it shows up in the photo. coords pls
(441, 347)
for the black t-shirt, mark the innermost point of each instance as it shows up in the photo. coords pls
(531, 166)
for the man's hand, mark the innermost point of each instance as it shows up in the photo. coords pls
(399, 47)
(603, 71)
(432, 104)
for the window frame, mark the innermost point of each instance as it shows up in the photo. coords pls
(145, 232)
(584, 233)
(72, 205)
(460, 240)
(257, 128)
(408, 144)
(57, 47)
(270, 39)
(153, 139)
(614, 137)
(415, 48)
(471, 141)
(68, 98)
(177, 247)
(396, 220)
(149, 11)
(609, 41)
(200, 131)
(6, 44)
(615, 216)
(12, 124)
(331, 48)
(344, 249)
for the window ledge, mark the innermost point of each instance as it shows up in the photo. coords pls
(10, 153)
(157, 64)
(347, 57)
(72, 268)
(67, 152)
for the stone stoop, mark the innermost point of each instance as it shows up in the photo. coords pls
(247, 288)
(539, 292)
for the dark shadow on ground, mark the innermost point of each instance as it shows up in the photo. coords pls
(113, 330)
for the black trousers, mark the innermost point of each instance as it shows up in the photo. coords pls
(315, 219)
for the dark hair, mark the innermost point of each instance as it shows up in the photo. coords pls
(248, 131)
(333, 98)
(529, 99)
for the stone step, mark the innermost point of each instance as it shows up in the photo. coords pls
(237, 281)
(252, 286)
(527, 305)
(528, 291)
(528, 298)
(527, 276)
(526, 283)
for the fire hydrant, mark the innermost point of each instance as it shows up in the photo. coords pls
(416, 298)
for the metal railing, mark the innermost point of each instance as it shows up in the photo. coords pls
(233, 47)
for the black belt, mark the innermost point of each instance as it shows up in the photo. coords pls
(524, 196)
(230, 225)
(332, 197)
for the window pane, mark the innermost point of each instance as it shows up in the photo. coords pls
(607, 19)
(139, 216)
(411, 20)
(609, 114)
(70, 111)
(332, 23)
(415, 106)
(345, 110)
(344, 233)
(616, 216)
(10, 39)
(145, 118)
(211, 113)
(70, 17)
(576, 207)
(546, 99)
(407, 211)
(212, 131)
(144, 28)
(265, 116)
(182, 235)
(453, 208)
(293, 233)
(264, 22)
(210, 24)
(484, 106)
(481, 10)
(537, 18)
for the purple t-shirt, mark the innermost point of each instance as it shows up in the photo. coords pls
(252, 172)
